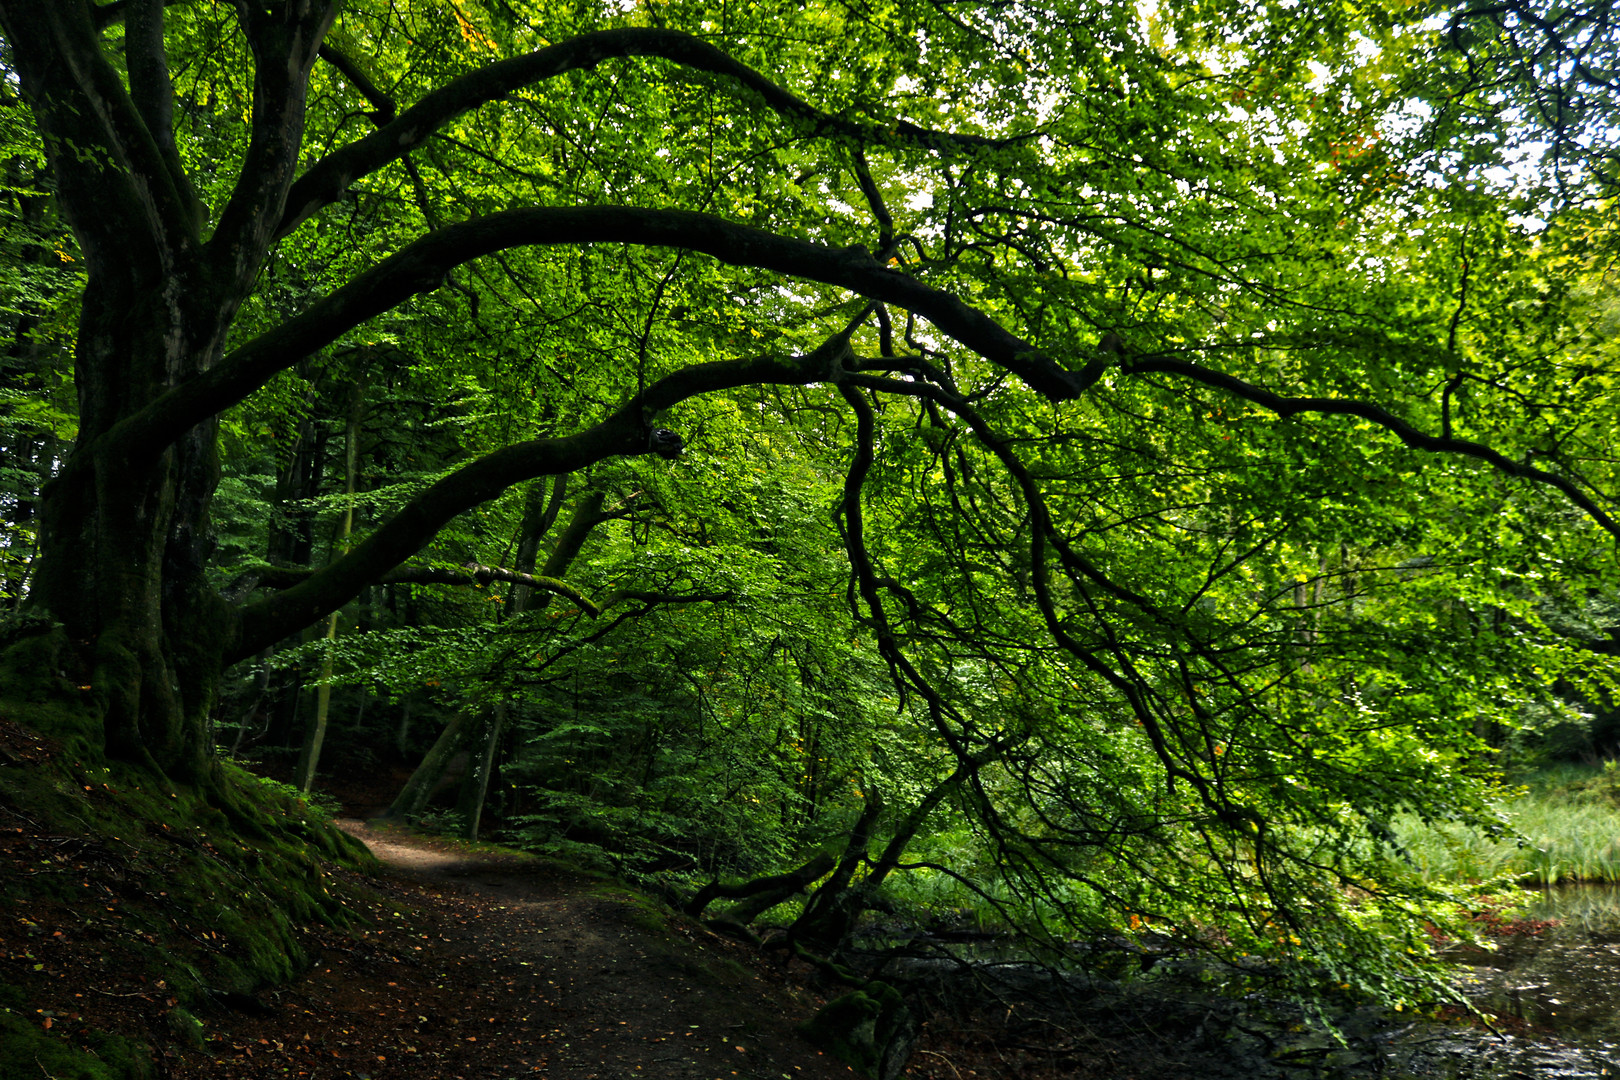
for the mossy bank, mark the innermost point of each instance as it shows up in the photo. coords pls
(134, 910)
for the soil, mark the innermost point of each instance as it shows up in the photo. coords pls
(497, 966)
(467, 964)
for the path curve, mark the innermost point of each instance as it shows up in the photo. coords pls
(582, 979)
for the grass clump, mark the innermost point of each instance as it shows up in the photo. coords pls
(28, 1049)
(1563, 826)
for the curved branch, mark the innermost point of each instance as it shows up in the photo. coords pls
(478, 574)
(421, 266)
(622, 434)
(329, 178)
(1127, 681)
(650, 598)
(786, 884)
(386, 108)
(874, 199)
(466, 574)
(1411, 436)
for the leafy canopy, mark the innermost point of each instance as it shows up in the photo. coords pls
(1150, 445)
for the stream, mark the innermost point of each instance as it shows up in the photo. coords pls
(1555, 988)
(1553, 983)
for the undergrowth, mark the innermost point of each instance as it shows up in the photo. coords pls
(1563, 826)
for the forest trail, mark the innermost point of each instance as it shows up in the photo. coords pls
(496, 966)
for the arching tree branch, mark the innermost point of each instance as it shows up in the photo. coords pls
(421, 266)
(622, 434)
(385, 107)
(1411, 436)
(329, 178)
(1125, 679)
(466, 574)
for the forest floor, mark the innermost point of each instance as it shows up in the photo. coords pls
(484, 966)
(466, 964)
(470, 962)
(475, 963)
(462, 962)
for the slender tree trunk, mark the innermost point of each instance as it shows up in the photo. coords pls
(484, 768)
(310, 757)
(539, 513)
(292, 543)
(414, 795)
(538, 516)
(402, 734)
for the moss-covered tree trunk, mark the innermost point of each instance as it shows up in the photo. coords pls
(125, 530)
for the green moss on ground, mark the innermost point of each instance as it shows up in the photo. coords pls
(125, 884)
(37, 688)
(858, 1027)
(29, 1049)
(181, 854)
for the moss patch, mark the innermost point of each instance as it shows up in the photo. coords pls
(858, 1027)
(27, 1048)
(185, 1027)
(165, 900)
(39, 690)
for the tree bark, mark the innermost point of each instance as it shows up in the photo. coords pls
(125, 533)
(484, 768)
(309, 758)
(414, 795)
(761, 894)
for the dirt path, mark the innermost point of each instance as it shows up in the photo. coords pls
(489, 968)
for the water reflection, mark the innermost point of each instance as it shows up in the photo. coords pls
(1563, 977)
(1592, 910)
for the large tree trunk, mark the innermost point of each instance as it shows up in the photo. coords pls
(125, 539)
(125, 532)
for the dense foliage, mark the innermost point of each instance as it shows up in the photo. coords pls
(1094, 465)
